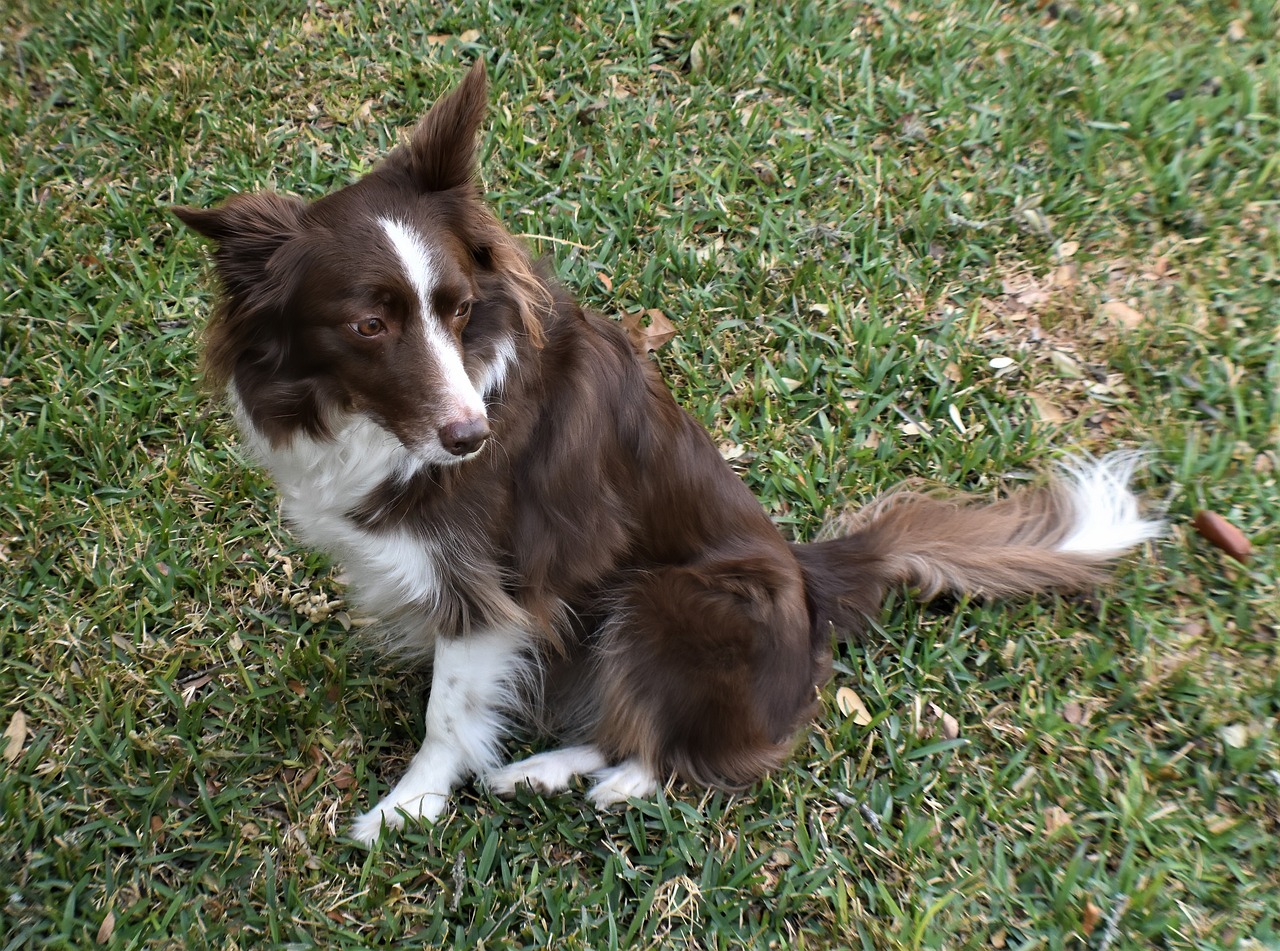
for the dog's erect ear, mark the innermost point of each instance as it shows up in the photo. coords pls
(442, 152)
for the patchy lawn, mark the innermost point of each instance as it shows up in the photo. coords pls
(943, 240)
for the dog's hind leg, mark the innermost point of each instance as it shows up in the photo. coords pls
(707, 671)
(630, 779)
(548, 772)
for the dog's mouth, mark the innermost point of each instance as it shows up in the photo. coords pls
(449, 445)
(428, 442)
(436, 456)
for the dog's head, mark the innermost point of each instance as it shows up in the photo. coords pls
(399, 297)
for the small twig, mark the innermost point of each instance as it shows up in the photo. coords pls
(196, 675)
(459, 880)
(547, 237)
(871, 817)
(956, 219)
(549, 197)
(924, 428)
(845, 799)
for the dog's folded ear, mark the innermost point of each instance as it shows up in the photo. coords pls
(258, 218)
(249, 230)
(442, 151)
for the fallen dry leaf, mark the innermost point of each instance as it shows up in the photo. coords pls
(15, 735)
(107, 928)
(1090, 917)
(1235, 736)
(1221, 533)
(1072, 712)
(850, 704)
(1118, 312)
(1049, 411)
(655, 335)
(950, 727)
(345, 777)
(1055, 818)
(306, 779)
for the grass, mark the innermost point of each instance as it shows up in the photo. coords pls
(850, 211)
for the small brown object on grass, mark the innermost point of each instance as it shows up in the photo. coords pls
(1218, 531)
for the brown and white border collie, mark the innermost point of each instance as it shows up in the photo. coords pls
(513, 491)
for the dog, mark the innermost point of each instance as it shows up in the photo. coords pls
(513, 491)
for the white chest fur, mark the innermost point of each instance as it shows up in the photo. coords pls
(321, 481)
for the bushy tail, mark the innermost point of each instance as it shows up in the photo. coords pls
(1057, 538)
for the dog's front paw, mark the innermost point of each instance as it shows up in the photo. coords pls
(392, 812)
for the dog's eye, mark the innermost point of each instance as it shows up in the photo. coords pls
(462, 315)
(370, 327)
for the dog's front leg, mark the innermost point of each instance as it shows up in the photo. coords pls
(474, 682)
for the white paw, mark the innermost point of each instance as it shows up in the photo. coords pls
(392, 813)
(548, 772)
(627, 780)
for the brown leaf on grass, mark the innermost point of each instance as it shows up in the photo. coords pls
(107, 928)
(947, 725)
(1066, 276)
(1048, 410)
(1219, 532)
(306, 779)
(1072, 712)
(1118, 312)
(15, 735)
(950, 727)
(1090, 917)
(648, 338)
(1055, 818)
(345, 777)
(850, 704)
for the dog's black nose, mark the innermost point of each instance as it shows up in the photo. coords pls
(464, 438)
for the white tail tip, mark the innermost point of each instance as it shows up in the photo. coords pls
(1108, 517)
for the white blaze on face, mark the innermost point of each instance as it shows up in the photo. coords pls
(460, 399)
